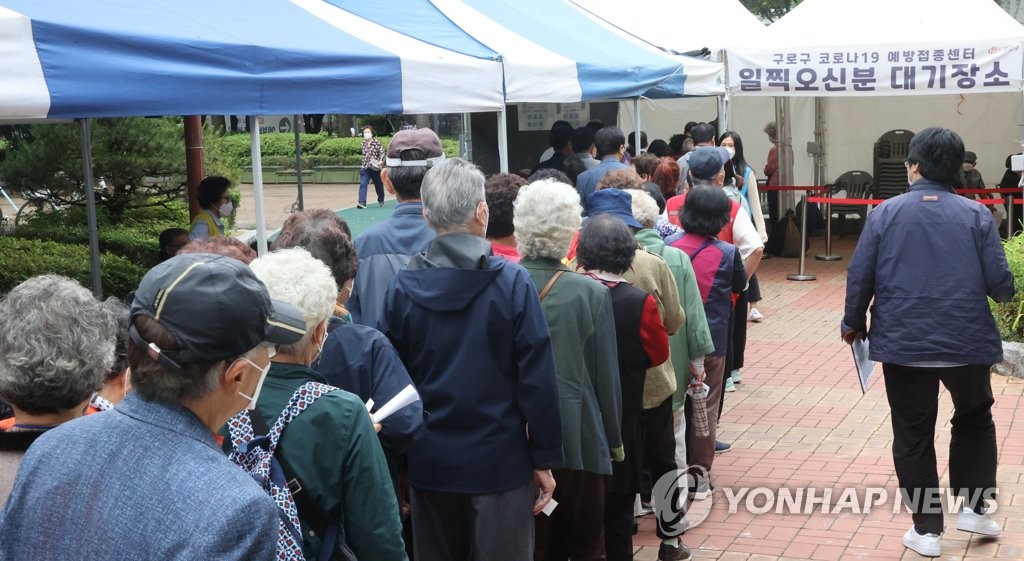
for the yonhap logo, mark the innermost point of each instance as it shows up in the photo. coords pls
(682, 499)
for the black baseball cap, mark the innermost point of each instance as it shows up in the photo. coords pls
(215, 307)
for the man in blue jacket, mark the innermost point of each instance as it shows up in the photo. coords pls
(386, 247)
(472, 334)
(928, 259)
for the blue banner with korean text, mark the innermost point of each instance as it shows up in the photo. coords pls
(858, 71)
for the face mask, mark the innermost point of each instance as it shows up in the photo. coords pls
(226, 208)
(367, 135)
(731, 151)
(259, 385)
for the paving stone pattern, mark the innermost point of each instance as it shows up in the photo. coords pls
(798, 419)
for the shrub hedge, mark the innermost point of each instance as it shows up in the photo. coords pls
(278, 149)
(1010, 315)
(21, 259)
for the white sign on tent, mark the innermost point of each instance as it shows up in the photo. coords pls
(880, 70)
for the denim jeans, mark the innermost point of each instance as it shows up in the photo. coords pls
(365, 175)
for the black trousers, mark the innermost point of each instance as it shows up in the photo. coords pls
(738, 332)
(659, 444)
(575, 530)
(774, 210)
(618, 525)
(913, 398)
(454, 526)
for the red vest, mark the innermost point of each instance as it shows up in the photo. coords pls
(674, 208)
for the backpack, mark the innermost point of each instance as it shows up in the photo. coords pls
(254, 448)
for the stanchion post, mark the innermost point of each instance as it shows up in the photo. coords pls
(827, 256)
(801, 275)
(1009, 217)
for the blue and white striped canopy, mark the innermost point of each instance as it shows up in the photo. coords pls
(552, 51)
(65, 59)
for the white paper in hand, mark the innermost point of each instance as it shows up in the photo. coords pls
(407, 396)
(550, 507)
(865, 366)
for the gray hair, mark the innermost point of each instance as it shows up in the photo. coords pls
(451, 192)
(700, 182)
(56, 344)
(547, 214)
(645, 209)
(294, 276)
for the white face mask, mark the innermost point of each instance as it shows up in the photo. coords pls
(259, 385)
(226, 208)
(731, 151)
(367, 135)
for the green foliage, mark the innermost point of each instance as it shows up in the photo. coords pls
(140, 160)
(1010, 315)
(278, 149)
(21, 259)
(769, 10)
(134, 235)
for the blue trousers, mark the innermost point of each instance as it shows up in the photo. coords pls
(365, 175)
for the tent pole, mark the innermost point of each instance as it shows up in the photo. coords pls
(725, 115)
(502, 140)
(298, 161)
(467, 138)
(90, 207)
(636, 122)
(257, 184)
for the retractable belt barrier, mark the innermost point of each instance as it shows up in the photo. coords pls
(800, 275)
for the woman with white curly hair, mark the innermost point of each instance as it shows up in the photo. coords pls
(56, 345)
(579, 315)
(330, 448)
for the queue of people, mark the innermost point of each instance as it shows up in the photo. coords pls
(569, 346)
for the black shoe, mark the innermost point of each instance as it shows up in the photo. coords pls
(701, 490)
(678, 553)
(361, 205)
(722, 447)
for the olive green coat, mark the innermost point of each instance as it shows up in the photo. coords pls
(578, 311)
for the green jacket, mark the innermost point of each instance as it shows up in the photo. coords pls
(578, 311)
(334, 452)
(695, 340)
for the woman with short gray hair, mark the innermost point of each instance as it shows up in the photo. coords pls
(579, 315)
(48, 376)
(330, 447)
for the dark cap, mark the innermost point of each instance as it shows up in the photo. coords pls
(615, 202)
(215, 307)
(705, 162)
(424, 140)
(970, 157)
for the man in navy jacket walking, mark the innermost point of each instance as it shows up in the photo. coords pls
(928, 259)
(470, 330)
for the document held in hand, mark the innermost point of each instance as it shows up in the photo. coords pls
(865, 366)
(407, 396)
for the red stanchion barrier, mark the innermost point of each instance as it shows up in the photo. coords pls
(793, 188)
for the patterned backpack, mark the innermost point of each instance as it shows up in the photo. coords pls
(253, 448)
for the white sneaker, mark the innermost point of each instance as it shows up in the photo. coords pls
(926, 545)
(729, 386)
(755, 315)
(982, 524)
(736, 376)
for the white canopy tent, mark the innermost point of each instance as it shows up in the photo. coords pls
(850, 53)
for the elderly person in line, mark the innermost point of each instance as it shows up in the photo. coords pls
(116, 383)
(48, 378)
(224, 245)
(689, 345)
(607, 249)
(579, 314)
(471, 331)
(202, 331)
(501, 190)
(355, 358)
(330, 448)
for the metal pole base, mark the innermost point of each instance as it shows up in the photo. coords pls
(828, 257)
(799, 277)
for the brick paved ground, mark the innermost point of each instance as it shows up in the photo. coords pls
(798, 419)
